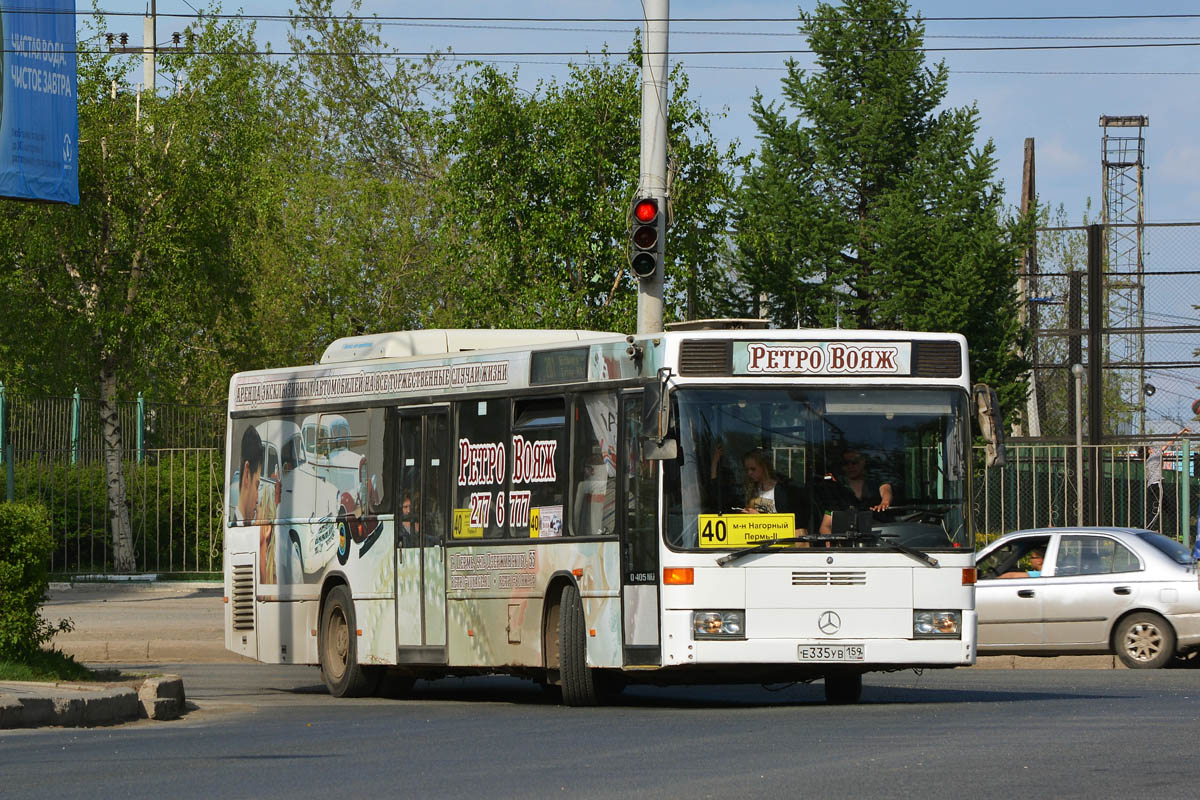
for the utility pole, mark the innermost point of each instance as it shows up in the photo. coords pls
(149, 46)
(149, 49)
(652, 182)
(1027, 291)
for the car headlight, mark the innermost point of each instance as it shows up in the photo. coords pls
(719, 624)
(936, 624)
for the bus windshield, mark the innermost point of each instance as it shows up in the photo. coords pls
(862, 466)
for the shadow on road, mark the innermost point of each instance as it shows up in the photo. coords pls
(519, 692)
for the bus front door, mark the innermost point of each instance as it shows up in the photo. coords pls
(422, 520)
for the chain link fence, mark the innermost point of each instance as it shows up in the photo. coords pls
(1136, 330)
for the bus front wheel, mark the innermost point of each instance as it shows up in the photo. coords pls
(344, 676)
(578, 681)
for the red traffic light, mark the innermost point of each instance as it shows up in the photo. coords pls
(645, 210)
(645, 237)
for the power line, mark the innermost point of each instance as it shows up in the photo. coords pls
(673, 20)
(569, 53)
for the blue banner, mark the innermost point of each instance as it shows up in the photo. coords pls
(39, 130)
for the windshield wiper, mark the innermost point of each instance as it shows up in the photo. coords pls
(729, 558)
(896, 547)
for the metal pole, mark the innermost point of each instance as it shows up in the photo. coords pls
(75, 410)
(653, 178)
(1185, 500)
(1097, 356)
(1077, 371)
(141, 427)
(3, 430)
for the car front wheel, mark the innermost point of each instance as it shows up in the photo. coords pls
(1144, 641)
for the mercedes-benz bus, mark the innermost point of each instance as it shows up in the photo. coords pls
(590, 510)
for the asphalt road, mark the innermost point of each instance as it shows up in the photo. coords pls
(269, 731)
(272, 732)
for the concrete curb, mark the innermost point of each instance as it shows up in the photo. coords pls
(32, 705)
(116, 587)
(162, 697)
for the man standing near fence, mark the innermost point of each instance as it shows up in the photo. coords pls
(1154, 482)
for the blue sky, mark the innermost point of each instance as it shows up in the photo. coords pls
(1055, 96)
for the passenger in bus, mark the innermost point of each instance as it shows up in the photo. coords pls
(767, 493)
(409, 528)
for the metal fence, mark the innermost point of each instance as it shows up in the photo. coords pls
(1042, 486)
(52, 453)
(175, 498)
(72, 425)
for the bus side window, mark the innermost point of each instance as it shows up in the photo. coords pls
(482, 429)
(539, 468)
(594, 465)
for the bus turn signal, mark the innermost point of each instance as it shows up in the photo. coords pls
(678, 576)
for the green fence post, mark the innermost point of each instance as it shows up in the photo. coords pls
(3, 430)
(1185, 500)
(8, 471)
(141, 427)
(75, 426)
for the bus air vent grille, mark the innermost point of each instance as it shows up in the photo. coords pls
(705, 357)
(829, 578)
(937, 360)
(243, 597)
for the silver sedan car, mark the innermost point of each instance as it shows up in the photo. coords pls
(1057, 591)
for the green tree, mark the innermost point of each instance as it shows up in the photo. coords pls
(118, 291)
(872, 206)
(540, 185)
(356, 247)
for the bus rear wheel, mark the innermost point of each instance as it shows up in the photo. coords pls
(843, 688)
(344, 676)
(578, 682)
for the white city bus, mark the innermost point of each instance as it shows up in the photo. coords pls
(573, 507)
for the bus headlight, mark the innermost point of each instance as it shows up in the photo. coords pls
(936, 624)
(719, 624)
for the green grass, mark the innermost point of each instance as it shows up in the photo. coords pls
(48, 665)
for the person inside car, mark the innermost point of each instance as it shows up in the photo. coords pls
(1035, 569)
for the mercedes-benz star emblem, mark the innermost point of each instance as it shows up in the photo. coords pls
(829, 622)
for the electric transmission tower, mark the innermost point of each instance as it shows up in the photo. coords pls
(1122, 159)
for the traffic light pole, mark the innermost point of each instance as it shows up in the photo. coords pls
(653, 180)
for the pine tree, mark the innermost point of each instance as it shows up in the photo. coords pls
(871, 206)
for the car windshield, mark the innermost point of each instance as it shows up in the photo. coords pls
(1173, 549)
(885, 466)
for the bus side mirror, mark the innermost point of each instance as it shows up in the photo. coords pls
(987, 411)
(656, 421)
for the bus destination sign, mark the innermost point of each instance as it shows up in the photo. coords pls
(822, 358)
(741, 530)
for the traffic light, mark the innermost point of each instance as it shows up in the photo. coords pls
(646, 236)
